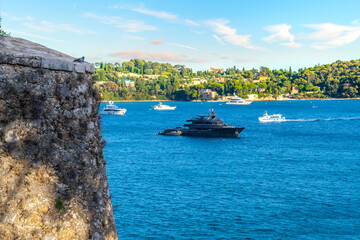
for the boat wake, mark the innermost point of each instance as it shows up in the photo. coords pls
(322, 119)
(301, 120)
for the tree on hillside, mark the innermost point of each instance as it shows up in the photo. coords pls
(101, 74)
(265, 71)
(148, 71)
(2, 32)
(217, 87)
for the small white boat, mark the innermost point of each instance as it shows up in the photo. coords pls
(272, 118)
(112, 109)
(162, 107)
(237, 101)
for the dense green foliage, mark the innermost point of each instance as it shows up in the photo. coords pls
(153, 80)
(2, 32)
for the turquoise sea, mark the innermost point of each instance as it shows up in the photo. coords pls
(298, 179)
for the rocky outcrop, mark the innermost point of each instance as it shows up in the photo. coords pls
(52, 169)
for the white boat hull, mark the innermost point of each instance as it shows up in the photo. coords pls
(263, 120)
(121, 112)
(237, 101)
(244, 103)
(164, 109)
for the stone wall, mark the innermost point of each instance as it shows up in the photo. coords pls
(52, 168)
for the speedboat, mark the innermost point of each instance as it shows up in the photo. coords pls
(112, 109)
(272, 118)
(206, 125)
(162, 107)
(237, 101)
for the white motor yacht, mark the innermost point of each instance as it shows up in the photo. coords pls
(112, 109)
(272, 118)
(237, 101)
(161, 107)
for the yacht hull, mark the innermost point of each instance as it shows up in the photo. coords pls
(272, 120)
(248, 103)
(228, 132)
(113, 112)
(165, 109)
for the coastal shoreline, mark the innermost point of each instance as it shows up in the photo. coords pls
(257, 100)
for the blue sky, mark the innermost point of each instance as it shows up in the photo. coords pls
(199, 34)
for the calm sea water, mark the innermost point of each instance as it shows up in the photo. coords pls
(298, 179)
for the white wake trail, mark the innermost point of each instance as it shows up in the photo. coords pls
(323, 119)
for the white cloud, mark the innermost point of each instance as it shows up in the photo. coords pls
(333, 35)
(281, 32)
(33, 35)
(292, 44)
(320, 47)
(48, 27)
(191, 23)
(127, 25)
(218, 39)
(346, 38)
(135, 26)
(132, 37)
(18, 19)
(184, 46)
(111, 20)
(240, 40)
(327, 31)
(38, 27)
(229, 34)
(26, 18)
(219, 27)
(157, 14)
(198, 32)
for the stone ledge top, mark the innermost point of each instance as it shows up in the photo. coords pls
(18, 51)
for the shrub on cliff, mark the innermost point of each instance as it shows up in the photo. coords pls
(2, 32)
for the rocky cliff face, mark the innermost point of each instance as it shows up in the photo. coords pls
(52, 169)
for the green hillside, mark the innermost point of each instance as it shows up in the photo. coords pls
(146, 80)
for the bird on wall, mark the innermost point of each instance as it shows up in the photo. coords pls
(79, 59)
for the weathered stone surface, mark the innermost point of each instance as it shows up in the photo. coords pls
(52, 170)
(17, 51)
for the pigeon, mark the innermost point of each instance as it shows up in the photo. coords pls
(79, 59)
